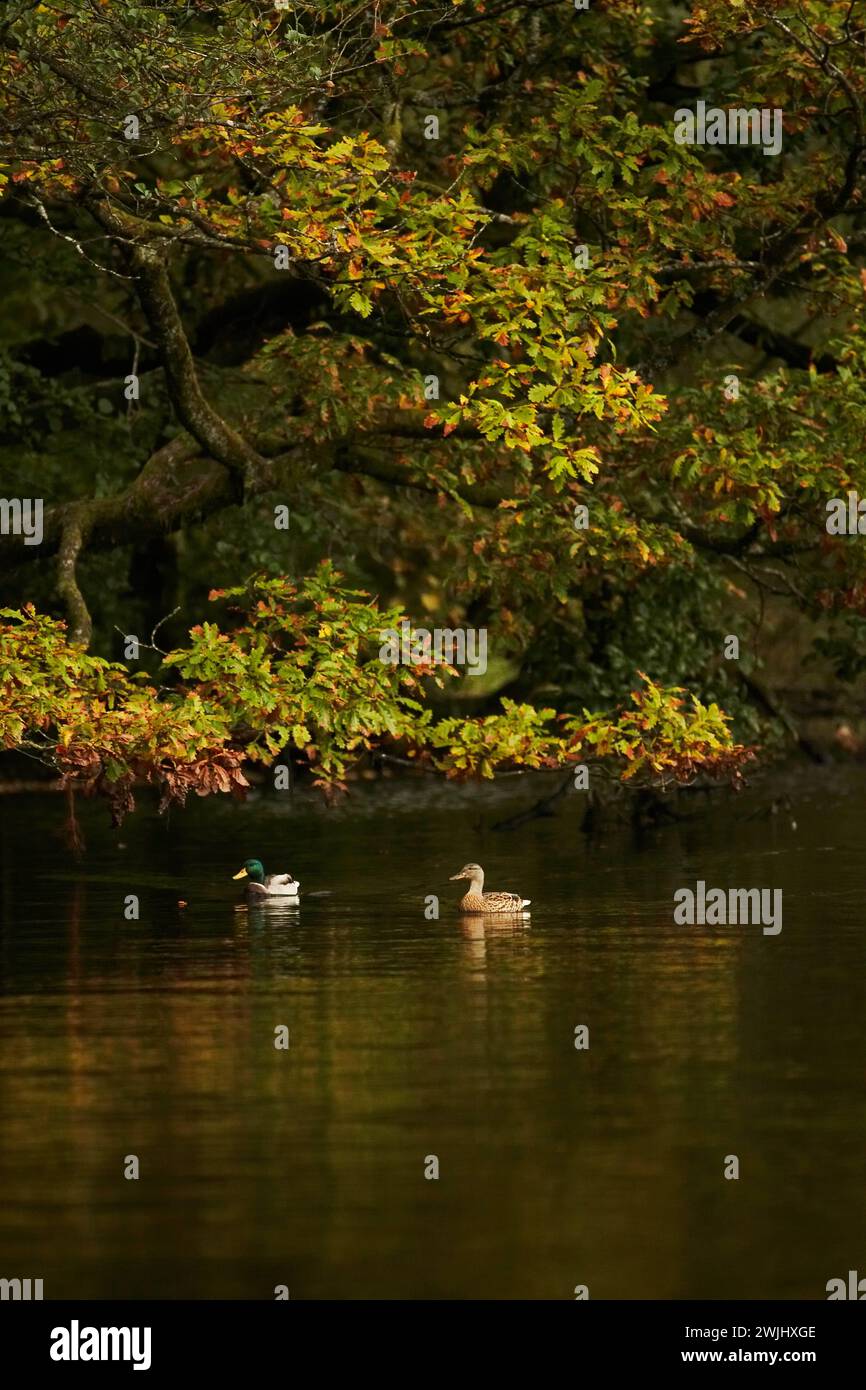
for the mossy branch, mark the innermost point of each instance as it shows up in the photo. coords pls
(73, 538)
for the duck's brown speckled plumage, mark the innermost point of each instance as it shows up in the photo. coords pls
(492, 902)
(476, 900)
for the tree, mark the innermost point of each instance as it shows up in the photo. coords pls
(444, 280)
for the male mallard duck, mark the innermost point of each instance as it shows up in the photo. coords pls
(476, 900)
(261, 885)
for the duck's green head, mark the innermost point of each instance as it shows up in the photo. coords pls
(253, 869)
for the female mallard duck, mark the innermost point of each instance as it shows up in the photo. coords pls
(476, 900)
(261, 885)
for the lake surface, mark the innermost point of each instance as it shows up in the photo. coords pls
(411, 1038)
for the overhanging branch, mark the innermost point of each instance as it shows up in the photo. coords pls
(196, 414)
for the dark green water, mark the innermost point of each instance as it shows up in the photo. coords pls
(412, 1037)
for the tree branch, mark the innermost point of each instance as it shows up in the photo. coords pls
(175, 485)
(214, 435)
(72, 539)
(353, 457)
(178, 485)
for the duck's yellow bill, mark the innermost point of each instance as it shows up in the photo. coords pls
(242, 874)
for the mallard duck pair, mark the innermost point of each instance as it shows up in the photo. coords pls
(261, 885)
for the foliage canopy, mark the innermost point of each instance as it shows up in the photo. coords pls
(435, 274)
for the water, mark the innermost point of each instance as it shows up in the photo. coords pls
(412, 1038)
